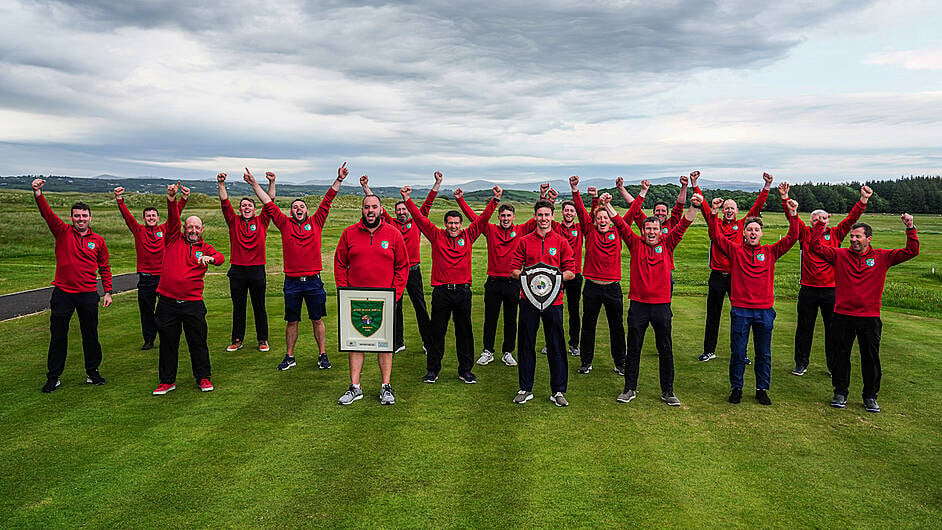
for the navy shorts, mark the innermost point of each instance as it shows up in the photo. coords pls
(311, 292)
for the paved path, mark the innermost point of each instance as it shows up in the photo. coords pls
(29, 302)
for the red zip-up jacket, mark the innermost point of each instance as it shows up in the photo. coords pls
(815, 270)
(730, 230)
(451, 256)
(148, 240)
(752, 268)
(859, 278)
(651, 266)
(553, 249)
(80, 259)
(410, 231)
(501, 242)
(246, 236)
(602, 249)
(181, 276)
(573, 235)
(372, 259)
(301, 242)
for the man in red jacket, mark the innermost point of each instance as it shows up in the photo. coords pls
(181, 307)
(451, 284)
(247, 233)
(817, 278)
(301, 249)
(543, 245)
(371, 253)
(149, 245)
(415, 287)
(81, 255)
(752, 295)
(499, 289)
(859, 278)
(571, 230)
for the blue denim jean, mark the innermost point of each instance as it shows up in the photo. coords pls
(761, 322)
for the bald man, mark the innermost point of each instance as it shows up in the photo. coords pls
(181, 307)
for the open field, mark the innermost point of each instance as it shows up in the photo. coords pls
(273, 449)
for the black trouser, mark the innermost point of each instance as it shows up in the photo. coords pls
(810, 299)
(147, 303)
(243, 280)
(868, 331)
(659, 316)
(556, 353)
(594, 296)
(573, 294)
(62, 305)
(717, 290)
(174, 316)
(500, 291)
(445, 303)
(414, 286)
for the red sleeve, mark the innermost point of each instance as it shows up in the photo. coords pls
(427, 204)
(425, 226)
(724, 245)
(227, 212)
(173, 223)
(530, 226)
(182, 200)
(911, 250)
(756, 209)
(518, 260)
(104, 267)
(780, 247)
(566, 260)
(466, 210)
(320, 216)
(634, 211)
(128, 217)
(828, 253)
(56, 225)
(676, 213)
(581, 212)
(274, 212)
(401, 273)
(478, 226)
(843, 228)
(623, 229)
(341, 265)
(677, 233)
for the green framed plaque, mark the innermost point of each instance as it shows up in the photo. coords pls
(366, 319)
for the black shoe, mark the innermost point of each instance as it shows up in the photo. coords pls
(735, 395)
(762, 396)
(51, 385)
(839, 401)
(430, 377)
(619, 369)
(468, 378)
(800, 370)
(748, 361)
(871, 405)
(148, 345)
(95, 379)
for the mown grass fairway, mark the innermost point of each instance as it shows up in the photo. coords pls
(272, 449)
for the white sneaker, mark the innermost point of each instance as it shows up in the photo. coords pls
(486, 357)
(522, 397)
(509, 359)
(559, 399)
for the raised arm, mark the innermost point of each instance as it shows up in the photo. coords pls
(581, 212)
(780, 247)
(829, 254)
(425, 226)
(259, 192)
(620, 186)
(463, 205)
(477, 226)
(911, 250)
(172, 227)
(757, 206)
(843, 228)
(125, 212)
(271, 184)
(342, 173)
(55, 224)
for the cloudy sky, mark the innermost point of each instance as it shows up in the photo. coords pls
(508, 91)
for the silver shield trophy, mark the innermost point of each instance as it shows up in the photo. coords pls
(541, 284)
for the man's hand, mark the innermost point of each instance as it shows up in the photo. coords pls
(458, 193)
(684, 181)
(270, 176)
(645, 186)
(342, 172)
(439, 177)
(696, 200)
(907, 220)
(592, 191)
(574, 183)
(172, 190)
(364, 181)
(185, 192)
(552, 194)
(118, 193)
(106, 300)
(497, 192)
(544, 189)
(249, 178)
(783, 190)
(768, 180)
(605, 198)
(220, 177)
(207, 260)
(716, 203)
(694, 177)
(405, 191)
(792, 207)
(620, 183)
(865, 193)
(37, 185)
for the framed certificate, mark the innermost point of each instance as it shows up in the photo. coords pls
(366, 319)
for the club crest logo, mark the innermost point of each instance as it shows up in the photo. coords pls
(91, 245)
(307, 227)
(827, 237)
(159, 233)
(611, 236)
(384, 244)
(760, 257)
(735, 227)
(552, 251)
(664, 230)
(461, 242)
(409, 225)
(870, 262)
(198, 254)
(513, 233)
(252, 227)
(575, 233)
(658, 249)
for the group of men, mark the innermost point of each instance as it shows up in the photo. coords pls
(382, 251)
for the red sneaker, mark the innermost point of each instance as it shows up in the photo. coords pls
(206, 385)
(163, 389)
(237, 345)
(263, 346)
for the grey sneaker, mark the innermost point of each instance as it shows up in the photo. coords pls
(839, 401)
(487, 356)
(585, 368)
(352, 394)
(626, 396)
(800, 370)
(670, 399)
(574, 351)
(559, 399)
(871, 405)
(619, 369)
(706, 356)
(522, 397)
(386, 396)
(508, 359)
